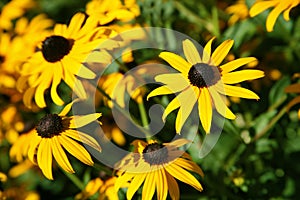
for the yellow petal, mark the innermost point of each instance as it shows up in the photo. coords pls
(286, 14)
(78, 69)
(184, 176)
(161, 184)
(99, 57)
(220, 104)
(75, 84)
(230, 66)
(189, 165)
(84, 138)
(179, 142)
(122, 180)
(149, 186)
(34, 143)
(259, 7)
(67, 108)
(135, 184)
(190, 52)
(60, 156)
(75, 24)
(272, 17)
(173, 105)
(236, 91)
(187, 100)
(207, 51)
(75, 149)
(242, 75)
(79, 121)
(57, 76)
(205, 109)
(44, 157)
(221, 52)
(176, 62)
(173, 187)
(27, 97)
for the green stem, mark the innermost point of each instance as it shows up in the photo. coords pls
(270, 125)
(74, 180)
(144, 118)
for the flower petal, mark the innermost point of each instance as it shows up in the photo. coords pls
(190, 52)
(221, 52)
(75, 149)
(176, 62)
(135, 184)
(184, 176)
(44, 157)
(173, 187)
(149, 186)
(259, 7)
(82, 137)
(57, 76)
(205, 109)
(242, 75)
(189, 165)
(161, 184)
(236, 91)
(272, 17)
(60, 156)
(220, 104)
(207, 51)
(122, 180)
(173, 105)
(79, 121)
(230, 66)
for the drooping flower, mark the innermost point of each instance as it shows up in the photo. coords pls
(204, 81)
(61, 57)
(279, 7)
(56, 132)
(157, 165)
(238, 11)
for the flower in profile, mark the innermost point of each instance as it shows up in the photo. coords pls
(238, 11)
(56, 132)
(279, 7)
(106, 11)
(203, 81)
(61, 56)
(157, 165)
(105, 189)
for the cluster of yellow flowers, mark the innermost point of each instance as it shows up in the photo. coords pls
(43, 63)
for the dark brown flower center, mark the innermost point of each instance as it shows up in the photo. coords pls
(204, 75)
(155, 154)
(49, 126)
(2, 59)
(55, 47)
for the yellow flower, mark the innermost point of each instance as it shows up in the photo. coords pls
(157, 165)
(105, 11)
(13, 10)
(279, 7)
(239, 11)
(60, 57)
(56, 132)
(204, 82)
(105, 189)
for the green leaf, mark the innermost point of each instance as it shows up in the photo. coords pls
(277, 94)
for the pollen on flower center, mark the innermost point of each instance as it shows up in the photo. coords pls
(49, 126)
(203, 75)
(55, 47)
(155, 154)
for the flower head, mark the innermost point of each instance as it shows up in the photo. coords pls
(239, 11)
(56, 132)
(279, 7)
(203, 81)
(156, 165)
(61, 56)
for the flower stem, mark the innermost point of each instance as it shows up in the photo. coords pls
(270, 125)
(144, 118)
(74, 180)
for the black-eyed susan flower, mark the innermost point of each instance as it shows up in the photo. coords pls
(105, 11)
(157, 165)
(104, 188)
(56, 132)
(203, 81)
(279, 7)
(61, 56)
(238, 11)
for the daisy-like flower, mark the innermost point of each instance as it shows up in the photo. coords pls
(60, 57)
(105, 188)
(56, 132)
(203, 81)
(238, 11)
(279, 7)
(157, 165)
(105, 11)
